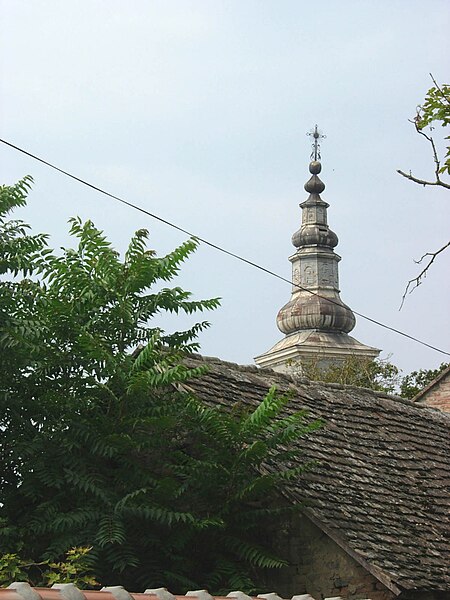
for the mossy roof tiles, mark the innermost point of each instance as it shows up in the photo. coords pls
(382, 485)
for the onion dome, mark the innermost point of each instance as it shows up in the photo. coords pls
(314, 312)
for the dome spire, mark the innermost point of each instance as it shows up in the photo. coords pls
(315, 321)
(315, 303)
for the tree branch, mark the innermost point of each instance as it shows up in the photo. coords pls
(416, 281)
(443, 96)
(437, 163)
(433, 146)
(439, 182)
(435, 108)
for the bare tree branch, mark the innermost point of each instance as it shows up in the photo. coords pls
(423, 181)
(437, 163)
(416, 281)
(436, 108)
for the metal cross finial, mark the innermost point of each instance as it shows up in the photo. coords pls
(317, 135)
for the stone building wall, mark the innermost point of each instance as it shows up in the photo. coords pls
(321, 568)
(437, 395)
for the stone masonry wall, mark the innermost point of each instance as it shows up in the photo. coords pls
(321, 568)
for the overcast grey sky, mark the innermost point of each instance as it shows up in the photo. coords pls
(198, 111)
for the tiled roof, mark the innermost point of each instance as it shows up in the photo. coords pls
(381, 489)
(68, 591)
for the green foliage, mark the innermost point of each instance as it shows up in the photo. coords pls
(378, 374)
(12, 568)
(75, 569)
(102, 449)
(17, 248)
(414, 383)
(436, 109)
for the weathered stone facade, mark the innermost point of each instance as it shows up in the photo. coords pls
(321, 568)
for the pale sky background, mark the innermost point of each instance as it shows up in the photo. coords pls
(198, 111)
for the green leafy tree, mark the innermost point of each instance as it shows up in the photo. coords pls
(18, 252)
(414, 383)
(102, 445)
(435, 110)
(76, 568)
(380, 375)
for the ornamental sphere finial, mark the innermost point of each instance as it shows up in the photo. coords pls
(315, 167)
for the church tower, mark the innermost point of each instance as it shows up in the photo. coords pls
(315, 321)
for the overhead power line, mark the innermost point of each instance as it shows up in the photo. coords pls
(212, 245)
